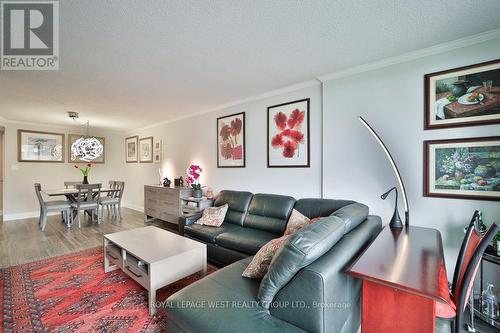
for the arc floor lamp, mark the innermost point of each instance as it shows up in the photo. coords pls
(395, 220)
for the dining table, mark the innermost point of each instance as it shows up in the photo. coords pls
(71, 195)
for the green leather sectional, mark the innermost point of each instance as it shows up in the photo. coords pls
(318, 298)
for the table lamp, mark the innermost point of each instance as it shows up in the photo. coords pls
(395, 220)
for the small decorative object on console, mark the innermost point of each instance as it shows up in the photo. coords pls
(166, 182)
(209, 193)
(194, 172)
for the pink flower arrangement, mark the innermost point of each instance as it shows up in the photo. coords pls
(193, 175)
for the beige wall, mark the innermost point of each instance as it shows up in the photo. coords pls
(19, 196)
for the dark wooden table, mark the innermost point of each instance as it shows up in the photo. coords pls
(402, 272)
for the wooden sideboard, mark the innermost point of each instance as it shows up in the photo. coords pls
(163, 203)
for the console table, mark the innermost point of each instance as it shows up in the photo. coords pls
(163, 203)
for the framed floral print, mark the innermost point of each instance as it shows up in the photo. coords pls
(463, 168)
(131, 149)
(231, 141)
(463, 96)
(288, 142)
(75, 159)
(146, 150)
(34, 146)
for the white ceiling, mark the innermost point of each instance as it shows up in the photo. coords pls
(128, 64)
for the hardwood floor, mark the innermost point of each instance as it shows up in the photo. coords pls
(21, 241)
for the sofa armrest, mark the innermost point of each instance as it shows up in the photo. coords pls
(330, 298)
(187, 220)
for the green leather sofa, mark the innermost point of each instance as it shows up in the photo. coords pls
(319, 297)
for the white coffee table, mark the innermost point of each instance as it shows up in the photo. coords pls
(153, 257)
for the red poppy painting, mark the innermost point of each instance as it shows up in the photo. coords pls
(231, 141)
(288, 134)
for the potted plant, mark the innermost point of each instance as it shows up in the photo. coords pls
(85, 172)
(193, 173)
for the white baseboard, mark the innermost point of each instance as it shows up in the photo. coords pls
(25, 215)
(134, 207)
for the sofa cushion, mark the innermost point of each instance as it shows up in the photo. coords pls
(222, 302)
(300, 250)
(352, 215)
(245, 240)
(238, 205)
(207, 233)
(269, 212)
(319, 207)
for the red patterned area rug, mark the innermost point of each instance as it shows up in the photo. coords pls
(71, 293)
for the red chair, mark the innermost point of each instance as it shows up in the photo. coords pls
(466, 269)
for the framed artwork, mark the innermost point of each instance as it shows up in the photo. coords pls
(158, 145)
(157, 157)
(464, 96)
(462, 168)
(131, 149)
(231, 141)
(288, 142)
(75, 159)
(146, 150)
(34, 146)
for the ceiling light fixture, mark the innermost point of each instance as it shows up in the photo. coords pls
(87, 148)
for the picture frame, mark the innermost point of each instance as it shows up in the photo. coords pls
(463, 96)
(132, 149)
(74, 159)
(462, 168)
(231, 141)
(146, 150)
(157, 146)
(288, 135)
(157, 155)
(36, 146)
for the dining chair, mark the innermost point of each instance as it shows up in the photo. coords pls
(71, 184)
(87, 200)
(51, 206)
(468, 262)
(113, 201)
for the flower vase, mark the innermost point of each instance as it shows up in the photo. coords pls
(85, 180)
(197, 193)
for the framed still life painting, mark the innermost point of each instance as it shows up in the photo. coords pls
(34, 146)
(75, 159)
(131, 149)
(464, 96)
(288, 135)
(146, 150)
(231, 141)
(462, 168)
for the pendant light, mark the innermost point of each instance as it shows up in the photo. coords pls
(87, 148)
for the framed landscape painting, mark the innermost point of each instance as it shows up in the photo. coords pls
(34, 146)
(288, 135)
(131, 149)
(464, 96)
(146, 150)
(75, 159)
(463, 168)
(231, 141)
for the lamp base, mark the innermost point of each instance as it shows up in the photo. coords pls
(396, 220)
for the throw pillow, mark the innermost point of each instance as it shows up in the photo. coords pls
(213, 216)
(262, 259)
(298, 221)
(299, 250)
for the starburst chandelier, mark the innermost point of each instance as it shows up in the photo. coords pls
(87, 148)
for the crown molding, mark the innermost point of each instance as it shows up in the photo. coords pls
(272, 93)
(436, 49)
(78, 128)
